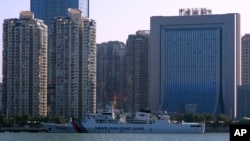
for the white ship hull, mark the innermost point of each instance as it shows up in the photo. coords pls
(157, 127)
(71, 127)
(132, 128)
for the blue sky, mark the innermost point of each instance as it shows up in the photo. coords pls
(116, 19)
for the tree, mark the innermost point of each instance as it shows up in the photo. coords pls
(223, 118)
(209, 118)
(191, 117)
(178, 117)
(244, 121)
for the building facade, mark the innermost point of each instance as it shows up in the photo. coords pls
(243, 104)
(243, 91)
(195, 63)
(72, 65)
(1, 95)
(111, 74)
(48, 9)
(24, 66)
(137, 70)
(245, 60)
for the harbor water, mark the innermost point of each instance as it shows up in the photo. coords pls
(26, 136)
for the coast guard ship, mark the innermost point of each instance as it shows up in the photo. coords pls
(143, 122)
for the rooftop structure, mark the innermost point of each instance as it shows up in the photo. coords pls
(194, 11)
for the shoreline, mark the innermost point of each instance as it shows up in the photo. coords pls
(42, 130)
(217, 129)
(31, 130)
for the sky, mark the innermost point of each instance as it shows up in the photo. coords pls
(116, 19)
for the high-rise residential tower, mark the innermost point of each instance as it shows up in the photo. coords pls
(1, 94)
(195, 63)
(25, 66)
(137, 70)
(72, 65)
(243, 92)
(48, 9)
(111, 74)
(245, 60)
